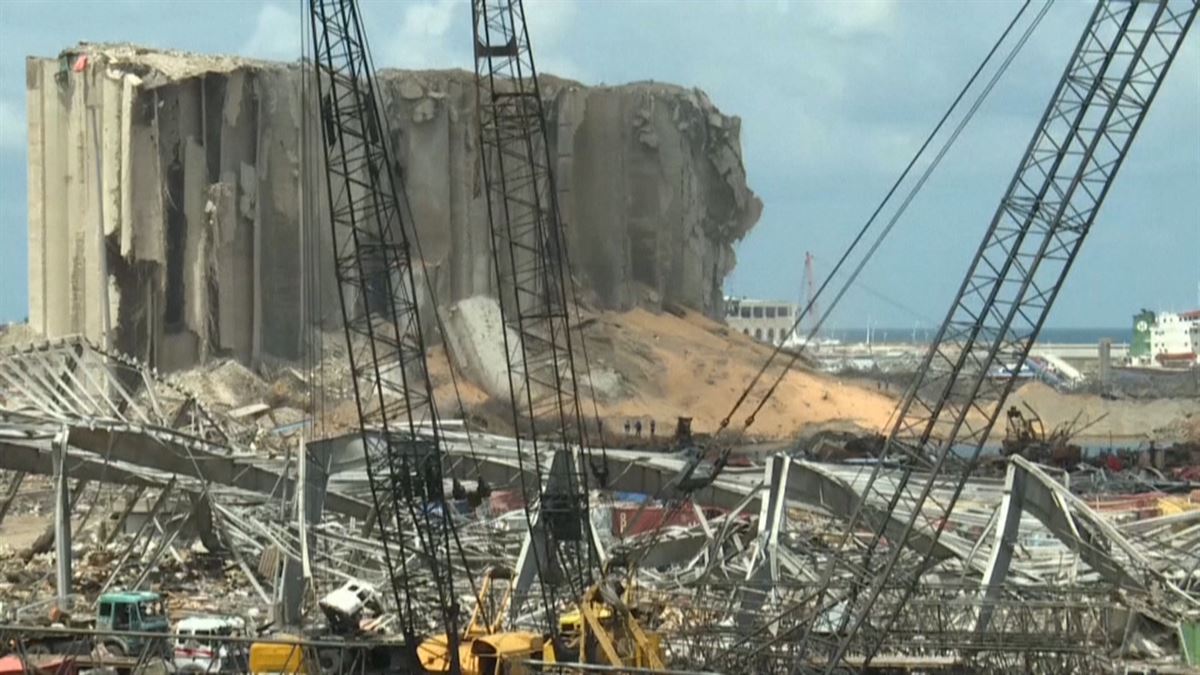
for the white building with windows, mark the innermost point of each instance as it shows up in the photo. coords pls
(1174, 340)
(768, 321)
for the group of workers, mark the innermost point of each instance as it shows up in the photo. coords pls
(636, 427)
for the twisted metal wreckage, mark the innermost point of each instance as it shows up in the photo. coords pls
(1024, 571)
(908, 562)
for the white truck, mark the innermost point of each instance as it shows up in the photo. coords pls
(198, 648)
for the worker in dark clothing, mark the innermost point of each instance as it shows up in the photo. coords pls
(651, 428)
(637, 427)
(626, 427)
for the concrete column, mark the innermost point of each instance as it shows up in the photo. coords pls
(538, 560)
(533, 561)
(62, 519)
(36, 191)
(103, 322)
(1105, 352)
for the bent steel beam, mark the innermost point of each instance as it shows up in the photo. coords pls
(178, 454)
(1031, 490)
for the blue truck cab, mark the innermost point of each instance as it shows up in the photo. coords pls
(132, 611)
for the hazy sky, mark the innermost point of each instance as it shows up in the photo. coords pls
(834, 98)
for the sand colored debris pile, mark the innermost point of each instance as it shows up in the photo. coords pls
(661, 366)
(693, 366)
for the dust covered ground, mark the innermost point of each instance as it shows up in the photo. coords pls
(660, 366)
(1127, 420)
(670, 366)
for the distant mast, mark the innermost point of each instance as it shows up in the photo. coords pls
(809, 300)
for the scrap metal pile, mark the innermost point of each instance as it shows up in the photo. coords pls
(168, 496)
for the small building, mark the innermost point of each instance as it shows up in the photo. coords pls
(768, 321)
(1165, 339)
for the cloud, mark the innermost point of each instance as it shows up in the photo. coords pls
(549, 23)
(430, 34)
(549, 20)
(276, 35)
(422, 34)
(853, 17)
(429, 19)
(12, 126)
(437, 34)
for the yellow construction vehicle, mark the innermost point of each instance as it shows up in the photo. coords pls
(485, 649)
(284, 654)
(603, 630)
(484, 654)
(600, 630)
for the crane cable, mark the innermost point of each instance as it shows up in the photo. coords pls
(882, 236)
(974, 108)
(908, 199)
(310, 284)
(729, 444)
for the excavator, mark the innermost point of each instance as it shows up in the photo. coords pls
(484, 647)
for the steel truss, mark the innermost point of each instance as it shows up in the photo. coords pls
(533, 281)
(1031, 243)
(1047, 630)
(386, 348)
(69, 380)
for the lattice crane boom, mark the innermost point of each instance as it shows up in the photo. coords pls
(1017, 272)
(535, 296)
(386, 347)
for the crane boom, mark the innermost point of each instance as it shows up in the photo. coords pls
(1017, 272)
(386, 347)
(536, 299)
(535, 296)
